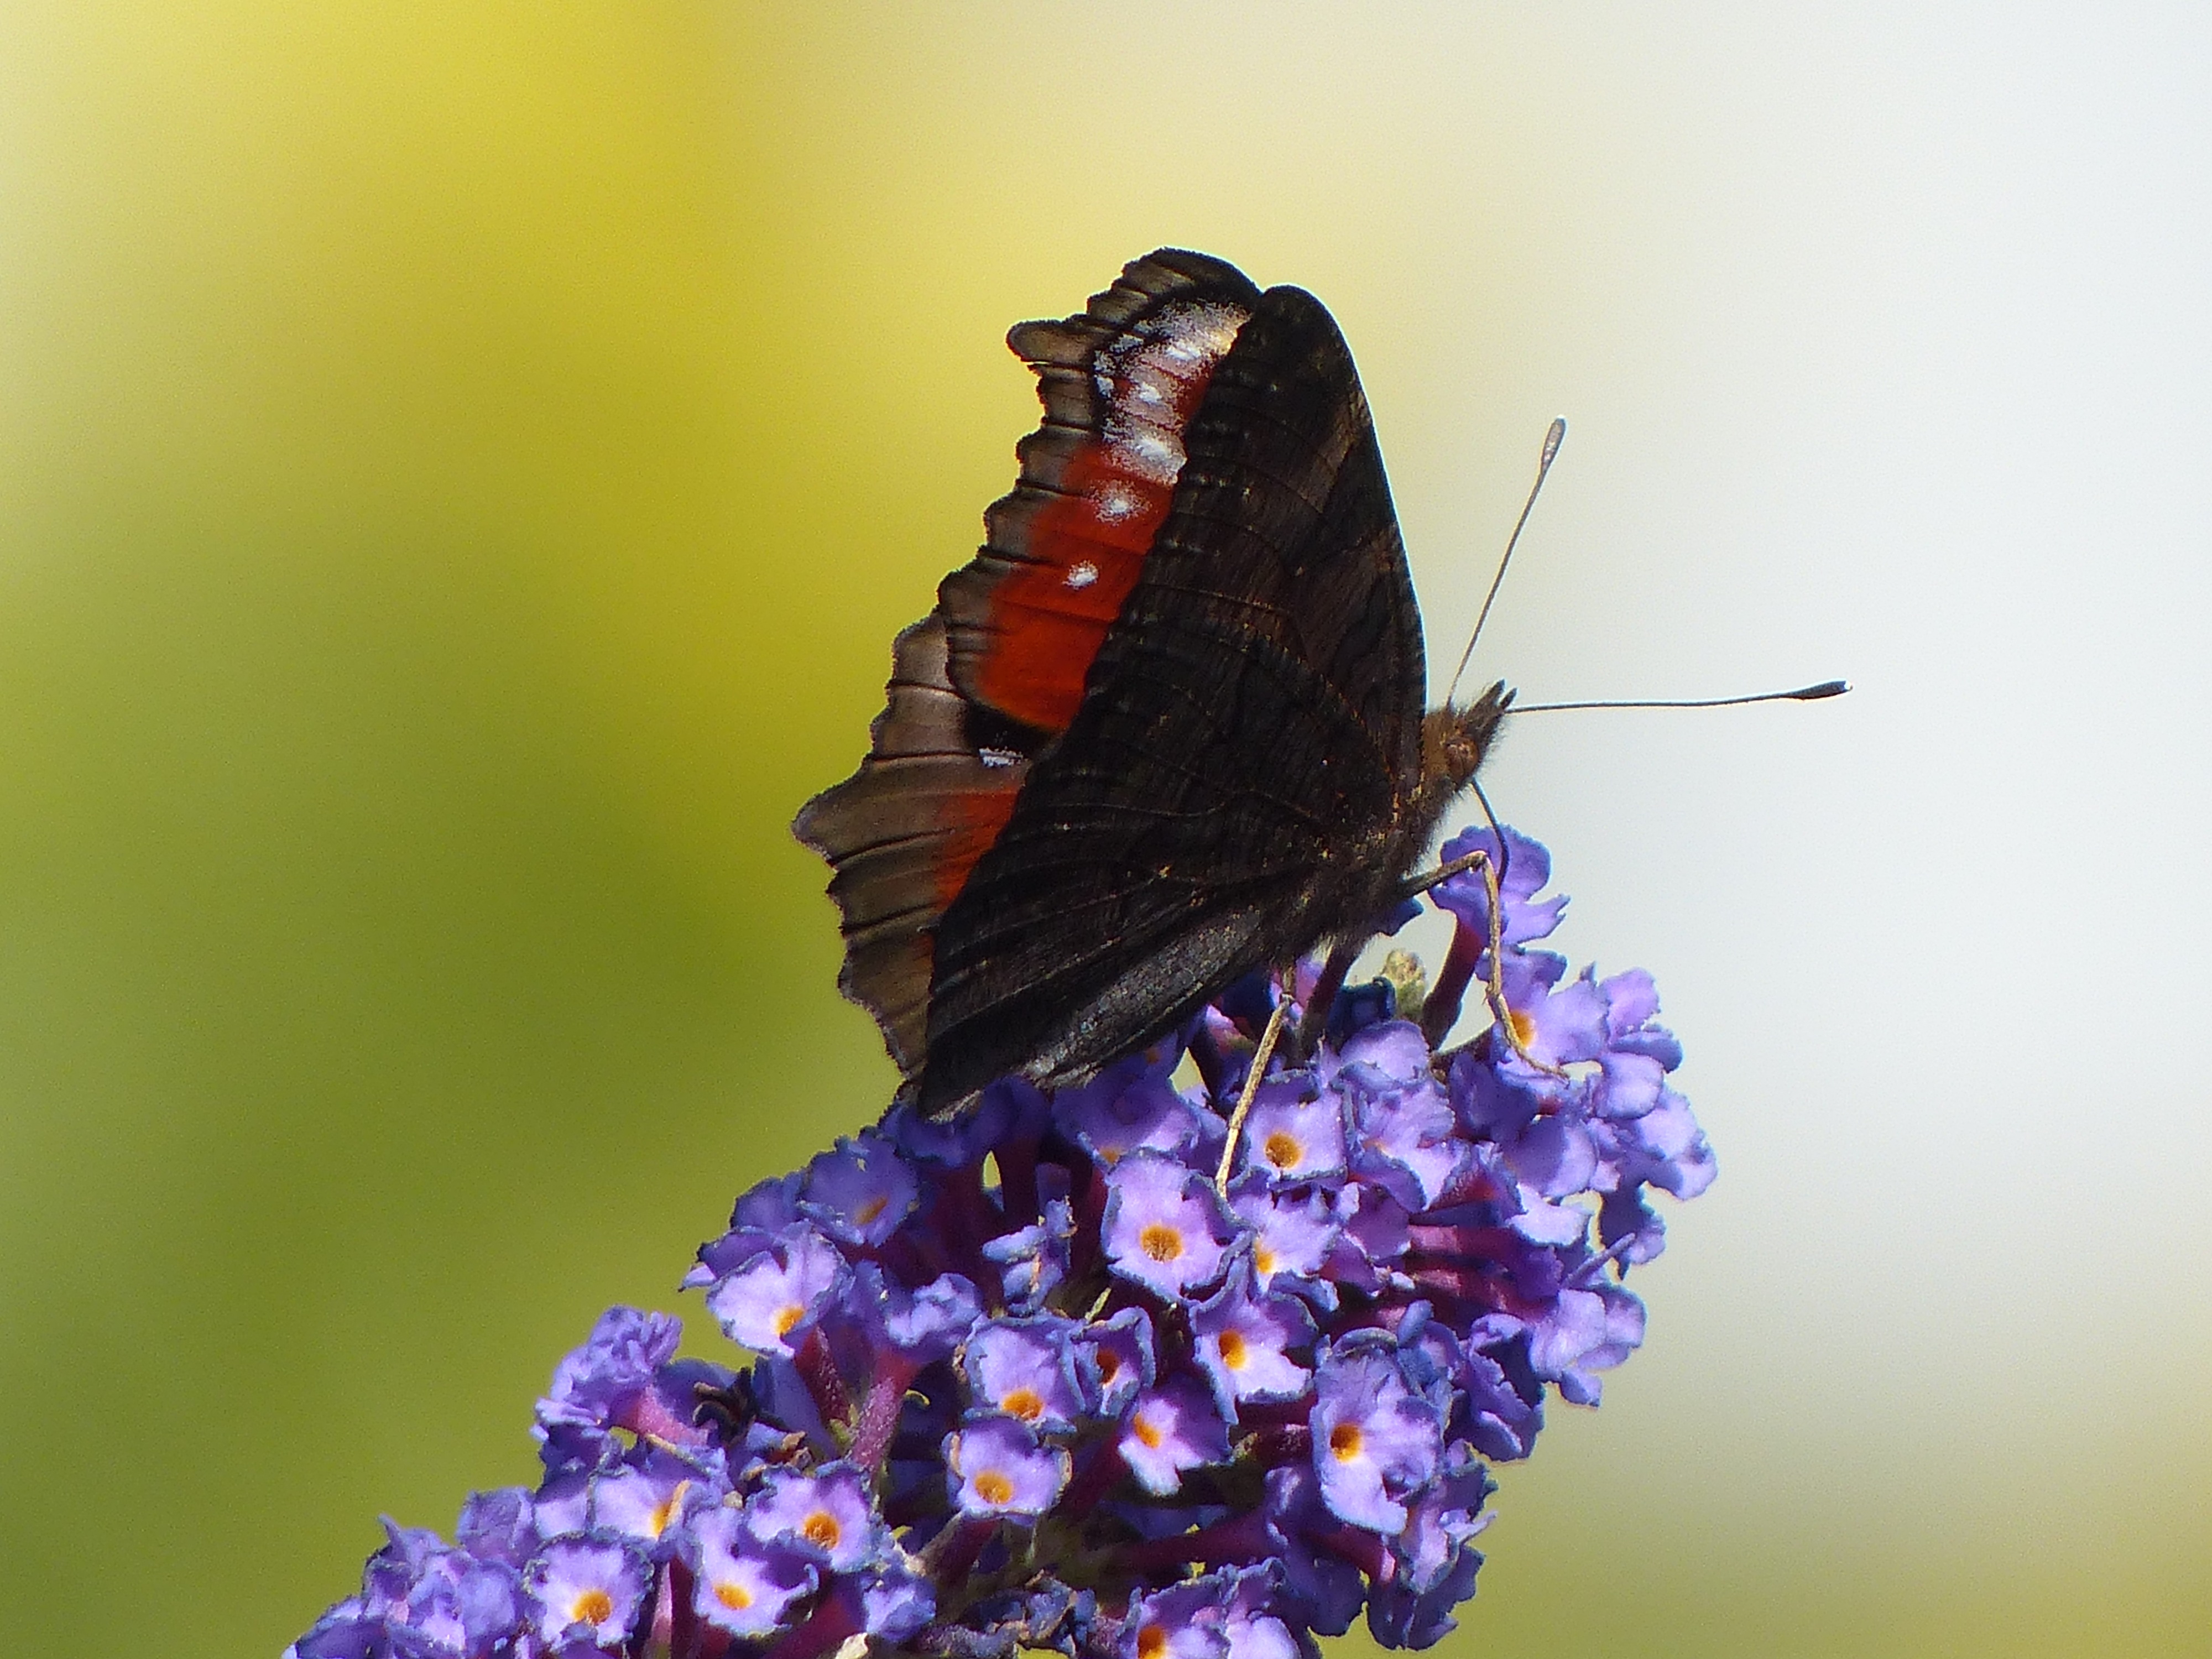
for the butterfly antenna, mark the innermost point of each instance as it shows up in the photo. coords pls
(1551, 441)
(1802, 693)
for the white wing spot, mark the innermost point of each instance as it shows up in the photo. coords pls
(996, 758)
(1150, 453)
(1117, 502)
(1082, 573)
(1199, 332)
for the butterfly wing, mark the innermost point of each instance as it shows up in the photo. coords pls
(1226, 792)
(998, 670)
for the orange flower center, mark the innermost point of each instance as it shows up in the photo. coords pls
(1160, 1241)
(993, 1488)
(664, 1513)
(1344, 1442)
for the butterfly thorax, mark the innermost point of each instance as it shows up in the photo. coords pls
(1365, 877)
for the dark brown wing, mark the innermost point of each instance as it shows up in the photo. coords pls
(1226, 793)
(999, 667)
(902, 833)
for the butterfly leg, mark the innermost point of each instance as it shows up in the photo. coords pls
(1244, 1099)
(1417, 885)
(1494, 986)
(1445, 996)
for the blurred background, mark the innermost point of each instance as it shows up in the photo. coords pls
(461, 467)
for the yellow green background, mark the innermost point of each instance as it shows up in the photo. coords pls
(461, 466)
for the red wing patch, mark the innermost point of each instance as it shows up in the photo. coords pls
(971, 821)
(1078, 555)
(1120, 385)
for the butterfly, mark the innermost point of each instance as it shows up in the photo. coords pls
(1168, 726)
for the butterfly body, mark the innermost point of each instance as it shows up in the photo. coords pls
(1168, 726)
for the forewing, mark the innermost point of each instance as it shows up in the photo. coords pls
(999, 667)
(1119, 382)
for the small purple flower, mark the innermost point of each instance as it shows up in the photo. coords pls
(462, 1608)
(1183, 1621)
(1026, 1368)
(1632, 1012)
(1442, 1519)
(1498, 1419)
(1467, 897)
(1618, 1334)
(1012, 1109)
(1390, 1053)
(1113, 1359)
(1325, 1583)
(348, 1629)
(780, 1292)
(860, 1193)
(997, 1468)
(1165, 1228)
(1552, 1025)
(1291, 1235)
(1371, 1238)
(1172, 1428)
(1242, 1342)
(1404, 1131)
(393, 1571)
(896, 1602)
(642, 1500)
(1664, 1147)
(1034, 1260)
(828, 1516)
(1294, 1133)
(743, 1586)
(595, 1386)
(1253, 1630)
(1126, 1110)
(498, 1526)
(589, 1590)
(921, 1323)
(1374, 1440)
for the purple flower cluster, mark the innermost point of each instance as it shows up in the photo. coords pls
(1073, 1372)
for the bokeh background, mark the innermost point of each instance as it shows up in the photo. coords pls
(461, 465)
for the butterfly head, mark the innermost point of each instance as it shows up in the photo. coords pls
(1455, 738)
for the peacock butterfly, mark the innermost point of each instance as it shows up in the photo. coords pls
(1167, 726)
